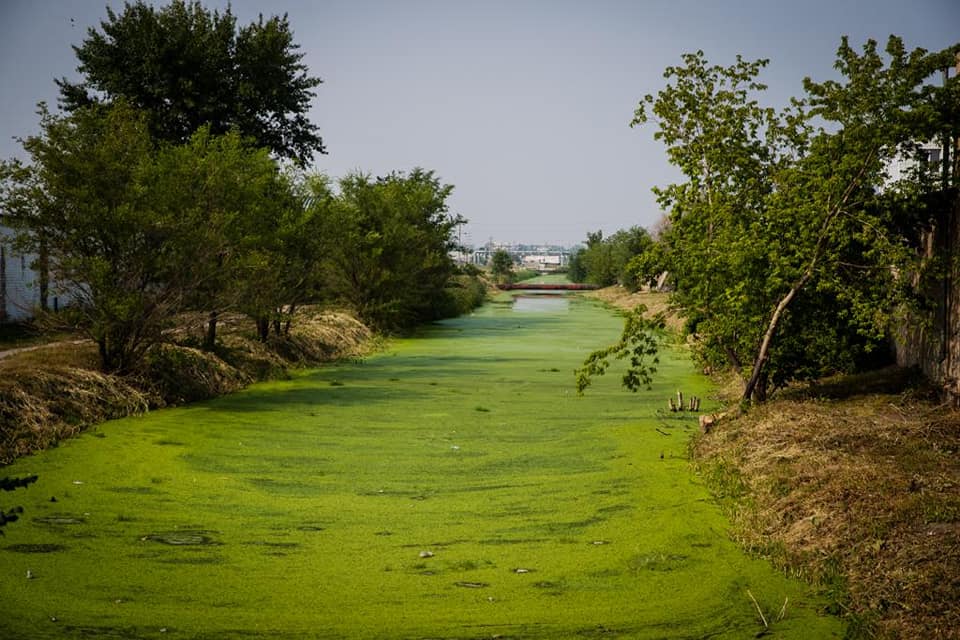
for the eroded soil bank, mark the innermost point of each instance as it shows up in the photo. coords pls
(452, 486)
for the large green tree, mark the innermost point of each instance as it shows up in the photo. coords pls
(501, 266)
(390, 245)
(136, 231)
(187, 66)
(783, 247)
(604, 261)
(238, 200)
(284, 255)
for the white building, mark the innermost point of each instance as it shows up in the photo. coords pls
(16, 281)
(904, 166)
(542, 262)
(20, 283)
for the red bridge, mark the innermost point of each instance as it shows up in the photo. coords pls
(532, 286)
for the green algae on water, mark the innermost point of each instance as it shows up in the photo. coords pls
(453, 486)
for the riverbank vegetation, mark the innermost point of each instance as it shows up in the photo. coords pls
(143, 201)
(53, 392)
(851, 483)
(788, 247)
(170, 213)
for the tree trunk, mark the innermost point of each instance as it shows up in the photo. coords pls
(732, 358)
(43, 262)
(764, 351)
(263, 328)
(3, 283)
(286, 328)
(210, 340)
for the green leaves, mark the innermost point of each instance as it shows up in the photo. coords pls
(605, 261)
(136, 232)
(390, 242)
(781, 225)
(501, 266)
(638, 342)
(188, 67)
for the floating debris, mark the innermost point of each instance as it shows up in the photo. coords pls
(600, 542)
(471, 585)
(59, 519)
(181, 538)
(426, 554)
(29, 574)
(522, 570)
(35, 548)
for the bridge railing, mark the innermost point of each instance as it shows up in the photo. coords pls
(530, 286)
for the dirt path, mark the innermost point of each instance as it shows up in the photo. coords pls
(6, 353)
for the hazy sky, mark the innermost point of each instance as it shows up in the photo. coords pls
(524, 106)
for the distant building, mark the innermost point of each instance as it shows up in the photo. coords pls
(20, 288)
(18, 295)
(541, 262)
(902, 166)
(534, 257)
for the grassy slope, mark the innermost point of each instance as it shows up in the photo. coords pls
(55, 391)
(300, 508)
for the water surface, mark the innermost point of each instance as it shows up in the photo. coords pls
(453, 486)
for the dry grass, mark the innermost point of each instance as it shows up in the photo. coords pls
(655, 301)
(55, 391)
(40, 407)
(862, 493)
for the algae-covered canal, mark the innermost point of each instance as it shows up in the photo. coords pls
(453, 486)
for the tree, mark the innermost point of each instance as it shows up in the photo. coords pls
(646, 267)
(238, 199)
(281, 263)
(501, 266)
(781, 219)
(80, 198)
(832, 196)
(604, 260)
(576, 270)
(627, 244)
(187, 67)
(390, 246)
(136, 232)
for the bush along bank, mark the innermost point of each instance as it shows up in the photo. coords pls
(56, 392)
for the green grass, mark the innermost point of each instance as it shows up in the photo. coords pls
(453, 486)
